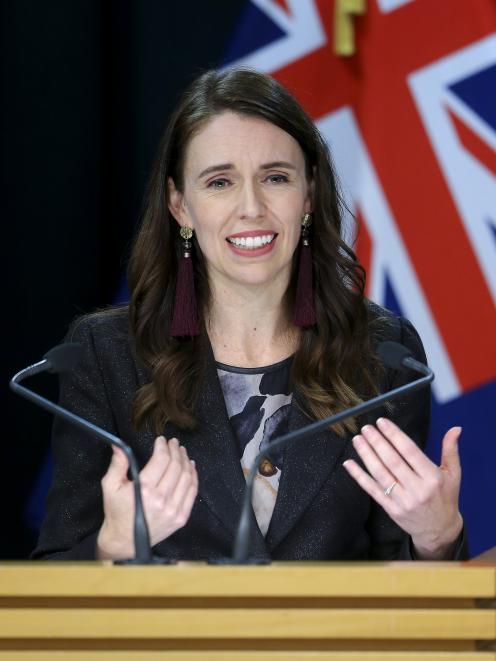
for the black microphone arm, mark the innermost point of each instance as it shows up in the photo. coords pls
(393, 355)
(62, 359)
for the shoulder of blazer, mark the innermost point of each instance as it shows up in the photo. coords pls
(112, 323)
(385, 325)
(105, 332)
(108, 342)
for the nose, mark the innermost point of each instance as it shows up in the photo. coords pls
(251, 204)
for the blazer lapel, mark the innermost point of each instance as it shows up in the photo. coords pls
(213, 447)
(307, 465)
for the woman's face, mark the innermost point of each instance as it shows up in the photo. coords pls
(245, 191)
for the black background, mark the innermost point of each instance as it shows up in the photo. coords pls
(87, 87)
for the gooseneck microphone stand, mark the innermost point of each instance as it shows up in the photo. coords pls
(64, 358)
(392, 355)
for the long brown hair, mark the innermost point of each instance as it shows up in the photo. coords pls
(332, 366)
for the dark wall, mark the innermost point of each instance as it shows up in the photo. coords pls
(86, 87)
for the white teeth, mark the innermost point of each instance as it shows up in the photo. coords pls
(251, 242)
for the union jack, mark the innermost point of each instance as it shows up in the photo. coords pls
(411, 122)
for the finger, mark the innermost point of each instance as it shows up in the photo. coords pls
(116, 474)
(157, 465)
(374, 465)
(371, 487)
(188, 503)
(174, 469)
(390, 458)
(187, 478)
(183, 485)
(450, 457)
(407, 448)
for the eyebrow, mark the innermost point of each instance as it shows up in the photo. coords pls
(278, 164)
(215, 168)
(230, 166)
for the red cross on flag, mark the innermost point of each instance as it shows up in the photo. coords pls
(411, 121)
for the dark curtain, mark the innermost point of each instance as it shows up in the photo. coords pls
(87, 87)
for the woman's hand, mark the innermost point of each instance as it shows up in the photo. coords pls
(419, 496)
(169, 484)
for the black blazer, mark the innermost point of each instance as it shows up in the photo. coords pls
(320, 512)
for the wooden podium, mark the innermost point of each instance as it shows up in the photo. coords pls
(334, 611)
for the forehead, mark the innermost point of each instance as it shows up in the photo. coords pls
(232, 138)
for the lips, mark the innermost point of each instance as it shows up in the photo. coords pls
(251, 241)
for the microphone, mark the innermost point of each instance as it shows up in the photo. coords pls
(393, 355)
(397, 357)
(64, 358)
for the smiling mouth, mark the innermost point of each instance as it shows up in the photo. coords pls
(251, 242)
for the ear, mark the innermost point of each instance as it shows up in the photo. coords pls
(309, 201)
(176, 203)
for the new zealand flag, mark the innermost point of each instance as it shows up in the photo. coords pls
(411, 121)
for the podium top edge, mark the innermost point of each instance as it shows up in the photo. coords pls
(280, 579)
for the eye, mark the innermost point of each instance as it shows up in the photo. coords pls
(277, 178)
(219, 183)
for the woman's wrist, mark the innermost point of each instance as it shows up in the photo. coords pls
(109, 548)
(439, 548)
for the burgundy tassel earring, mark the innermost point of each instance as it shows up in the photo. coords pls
(304, 309)
(185, 313)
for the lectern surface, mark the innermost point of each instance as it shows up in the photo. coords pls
(191, 611)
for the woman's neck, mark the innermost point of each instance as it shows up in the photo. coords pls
(249, 326)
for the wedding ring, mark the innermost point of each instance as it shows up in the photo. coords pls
(387, 491)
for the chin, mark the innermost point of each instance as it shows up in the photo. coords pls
(259, 279)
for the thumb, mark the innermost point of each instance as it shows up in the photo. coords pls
(450, 457)
(117, 470)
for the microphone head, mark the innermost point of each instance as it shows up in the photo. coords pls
(64, 357)
(393, 354)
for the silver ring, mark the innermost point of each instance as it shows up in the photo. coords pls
(387, 491)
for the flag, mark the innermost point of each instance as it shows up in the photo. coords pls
(409, 112)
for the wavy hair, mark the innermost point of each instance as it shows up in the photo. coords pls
(333, 365)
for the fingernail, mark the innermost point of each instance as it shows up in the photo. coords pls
(193, 463)
(174, 441)
(382, 422)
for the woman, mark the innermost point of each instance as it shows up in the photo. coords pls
(247, 318)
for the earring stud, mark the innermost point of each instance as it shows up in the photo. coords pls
(186, 233)
(306, 221)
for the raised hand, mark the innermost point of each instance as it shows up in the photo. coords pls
(169, 484)
(419, 496)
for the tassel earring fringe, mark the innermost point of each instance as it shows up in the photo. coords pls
(304, 308)
(185, 312)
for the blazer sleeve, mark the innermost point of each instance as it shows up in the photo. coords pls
(74, 510)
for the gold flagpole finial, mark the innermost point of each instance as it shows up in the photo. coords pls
(344, 32)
